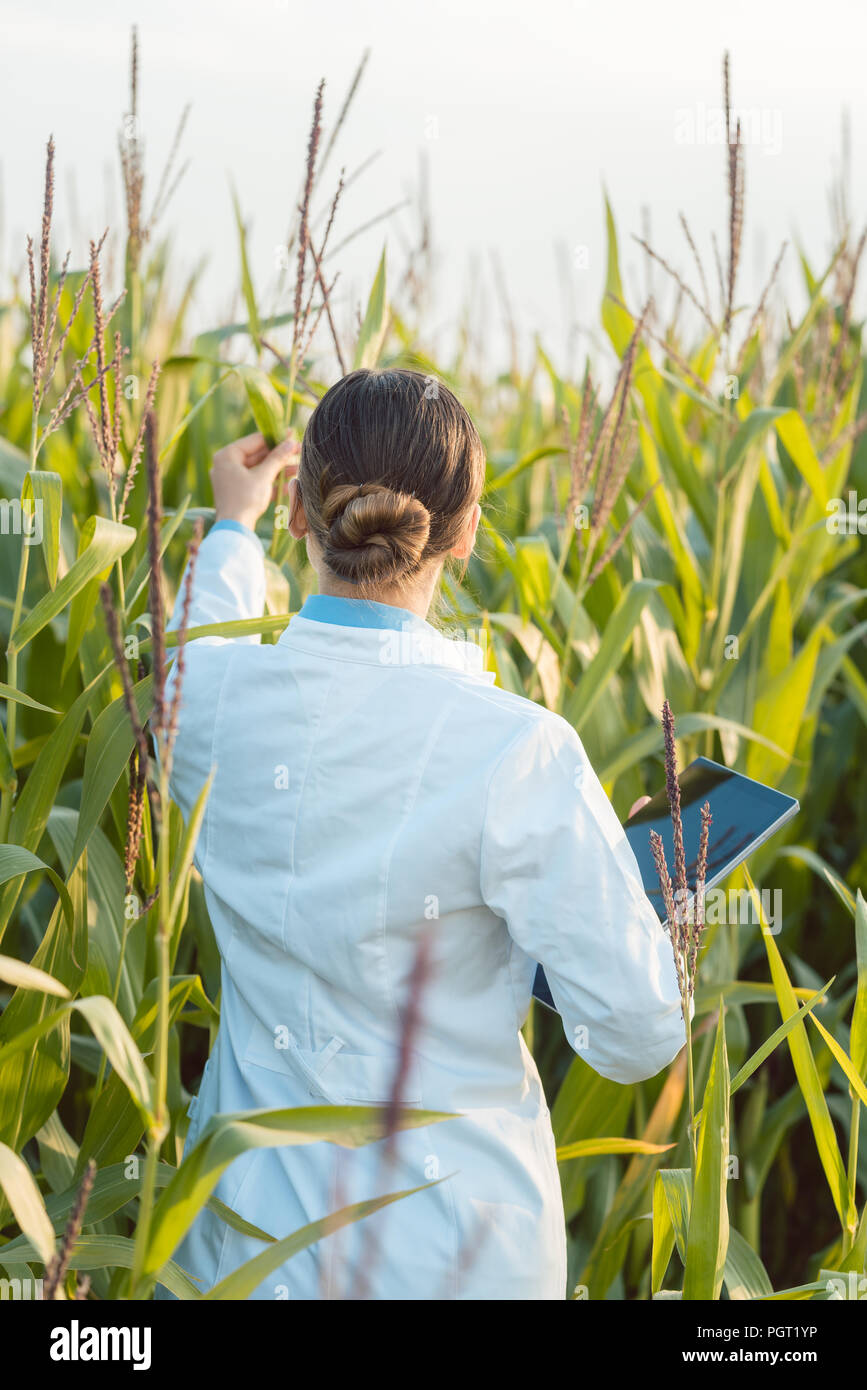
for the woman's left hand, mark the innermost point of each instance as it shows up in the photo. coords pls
(637, 805)
(243, 475)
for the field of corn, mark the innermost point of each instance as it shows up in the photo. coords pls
(681, 523)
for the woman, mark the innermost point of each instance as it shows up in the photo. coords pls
(375, 792)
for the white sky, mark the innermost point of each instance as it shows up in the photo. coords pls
(523, 110)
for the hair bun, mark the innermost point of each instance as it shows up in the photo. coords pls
(374, 534)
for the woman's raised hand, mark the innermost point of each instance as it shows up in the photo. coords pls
(243, 475)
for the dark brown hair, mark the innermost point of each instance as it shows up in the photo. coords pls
(391, 465)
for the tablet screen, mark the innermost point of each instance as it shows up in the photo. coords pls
(743, 811)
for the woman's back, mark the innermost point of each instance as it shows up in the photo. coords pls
(372, 791)
(388, 847)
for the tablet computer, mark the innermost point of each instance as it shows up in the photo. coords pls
(745, 813)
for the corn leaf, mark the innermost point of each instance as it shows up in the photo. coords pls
(244, 1280)
(23, 976)
(226, 1136)
(375, 324)
(808, 1079)
(103, 542)
(45, 490)
(708, 1236)
(858, 1031)
(26, 1202)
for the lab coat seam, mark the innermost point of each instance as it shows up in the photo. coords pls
(290, 878)
(236, 1195)
(518, 737)
(427, 753)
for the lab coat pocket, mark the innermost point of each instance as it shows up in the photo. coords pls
(332, 1073)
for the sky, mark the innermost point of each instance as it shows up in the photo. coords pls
(524, 114)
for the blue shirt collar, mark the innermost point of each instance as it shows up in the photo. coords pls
(361, 612)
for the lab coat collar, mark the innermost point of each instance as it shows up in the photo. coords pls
(360, 612)
(401, 645)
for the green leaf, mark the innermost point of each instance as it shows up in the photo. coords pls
(114, 1187)
(236, 627)
(808, 1078)
(103, 542)
(737, 992)
(115, 1125)
(610, 1247)
(751, 429)
(593, 1148)
(615, 640)
(672, 1195)
(708, 1236)
(650, 741)
(745, 1275)
(246, 277)
(16, 861)
(40, 790)
(58, 1152)
(856, 1085)
(779, 711)
(169, 529)
(858, 1030)
(226, 1136)
(13, 468)
(23, 976)
(819, 866)
(7, 693)
(265, 403)
(767, 1047)
(46, 489)
(111, 1252)
(26, 1202)
(33, 1079)
(110, 1032)
(243, 1281)
(501, 480)
(181, 429)
(799, 446)
(181, 868)
(375, 325)
(109, 962)
(108, 751)
(617, 321)
(795, 343)
(587, 1106)
(533, 567)
(8, 776)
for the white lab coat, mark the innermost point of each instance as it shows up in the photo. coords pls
(372, 788)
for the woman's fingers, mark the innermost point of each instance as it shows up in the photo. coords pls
(243, 475)
(637, 805)
(242, 453)
(283, 456)
(252, 451)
